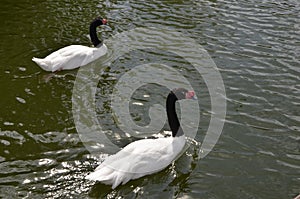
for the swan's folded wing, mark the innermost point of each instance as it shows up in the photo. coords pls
(138, 159)
(69, 57)
(144, 156)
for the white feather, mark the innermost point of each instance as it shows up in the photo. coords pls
(139, 158)
(70, 57)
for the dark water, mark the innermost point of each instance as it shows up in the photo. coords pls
(256, 46)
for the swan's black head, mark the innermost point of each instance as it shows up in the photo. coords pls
(99, 21)
(182, 93)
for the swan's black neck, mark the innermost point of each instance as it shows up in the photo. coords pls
(93, 32)
(172, 116)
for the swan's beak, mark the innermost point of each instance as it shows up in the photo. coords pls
(104, 21)
(190, 95)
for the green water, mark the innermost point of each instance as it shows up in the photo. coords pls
(256, 46)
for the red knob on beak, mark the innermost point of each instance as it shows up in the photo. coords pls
(104, 21)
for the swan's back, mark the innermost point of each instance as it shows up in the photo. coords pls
(70, 57)
(138, 159)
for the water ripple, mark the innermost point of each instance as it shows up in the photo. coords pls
(254, 43)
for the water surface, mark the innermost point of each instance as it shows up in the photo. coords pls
(255, 45)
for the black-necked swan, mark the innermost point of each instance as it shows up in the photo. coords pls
(146, 156)
(74, 56)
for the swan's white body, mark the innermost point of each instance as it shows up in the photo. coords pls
(70, 57)
(139, 158)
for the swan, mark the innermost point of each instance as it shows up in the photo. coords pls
(146, 156)
(74, 56)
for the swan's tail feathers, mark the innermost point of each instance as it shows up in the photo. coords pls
(44, 64)
(107, 176)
